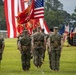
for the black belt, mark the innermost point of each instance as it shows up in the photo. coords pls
(39, 41)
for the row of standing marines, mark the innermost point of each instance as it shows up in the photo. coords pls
(34, 47)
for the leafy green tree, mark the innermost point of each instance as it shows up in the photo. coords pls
(1, 2)
(2, 17)
(53, 5)
(54, 13)
(74, 14)
(74, 17)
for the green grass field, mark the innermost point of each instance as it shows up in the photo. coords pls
(11, 63)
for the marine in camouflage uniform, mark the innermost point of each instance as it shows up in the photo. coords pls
(25, 48)
(2, 46)
(45, 37)
(38, 44)
(55, 49)
(18, 39)
(34, 31)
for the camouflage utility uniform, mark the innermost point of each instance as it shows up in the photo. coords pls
(18, 40)
(1, 47)
(45, 38)
(25, 52)
(55, 52)
(38, 40)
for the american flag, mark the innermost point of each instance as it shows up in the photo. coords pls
(14, 7)
(39, 9)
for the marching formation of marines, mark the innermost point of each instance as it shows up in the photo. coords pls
(35, 45)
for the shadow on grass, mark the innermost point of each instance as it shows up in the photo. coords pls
(60, 72)
(37, 72)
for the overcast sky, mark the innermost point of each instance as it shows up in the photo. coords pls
(69, 5)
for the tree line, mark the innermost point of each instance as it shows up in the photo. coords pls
(2, 17)
(56, 16)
